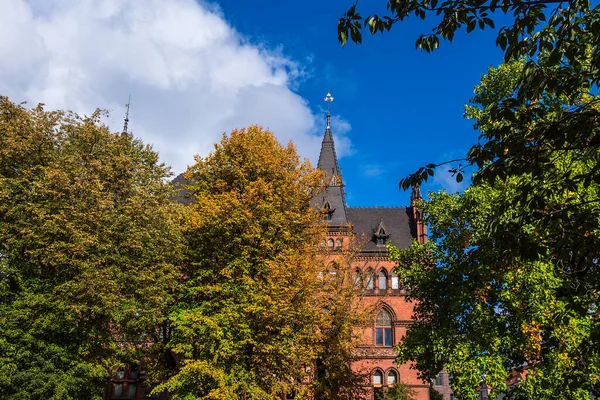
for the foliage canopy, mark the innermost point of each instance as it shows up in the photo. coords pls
(88, 245)
(501, 287)
(257, 313)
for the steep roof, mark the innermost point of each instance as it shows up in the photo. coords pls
(327, 158)
(183, 196)
(397, 222)
(332, 199)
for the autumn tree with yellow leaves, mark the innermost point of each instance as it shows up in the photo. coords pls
(256, 313)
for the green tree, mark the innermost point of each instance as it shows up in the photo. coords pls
(256, 316)
(435, 395)
(88, 240)
(501, 287)
(400, 391)
(560, 43)
(339, 338)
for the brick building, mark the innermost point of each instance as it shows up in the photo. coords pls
(373, 228)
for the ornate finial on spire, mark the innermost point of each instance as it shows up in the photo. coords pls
(328, 100)
(125, 125)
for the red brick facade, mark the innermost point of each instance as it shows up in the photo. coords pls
(382, 293)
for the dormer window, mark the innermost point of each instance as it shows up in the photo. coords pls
(380, 235)
(327, 210)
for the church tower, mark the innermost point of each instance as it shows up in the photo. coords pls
(332, 201)
(371, 229)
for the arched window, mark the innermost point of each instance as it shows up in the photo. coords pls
(392, 378)
(338, 243)
(357, 279)
(383, 329)
(382, 280)
(395, 282)
(377, 378)
(329, 242)
(370, 281)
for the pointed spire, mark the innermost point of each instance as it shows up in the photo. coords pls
(328, 158)
(126, 123)
(334, 187)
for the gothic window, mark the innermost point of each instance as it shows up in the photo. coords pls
(395, 282)
(392, 378)
(338, 243)
(329, 242)
(131, 389)
(383, 329)
(327, 210)
(357, 279)
(377, 378)
(378, 391)
(370, 281)
(382, 280)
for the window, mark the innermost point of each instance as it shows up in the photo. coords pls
(377, 378)
(382, 280)
(370, 283)
(118, 389)
(395, 282)
(328, 211)
(338, 243)
(439, 381)
(329, 242)
(357, 279)
(392, 378)
(131, 389)
(383, 329)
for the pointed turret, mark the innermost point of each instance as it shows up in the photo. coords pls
(420, 226)
(332, 202)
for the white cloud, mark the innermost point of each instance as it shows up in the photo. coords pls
(190, 74)
(443, 179)
(372, 170)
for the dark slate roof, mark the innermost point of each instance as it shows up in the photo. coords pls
(183, 196)
(334, 191)
(396, 220)
(327, 157)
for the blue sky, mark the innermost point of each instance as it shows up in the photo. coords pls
(195, 69)
(405, 106)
